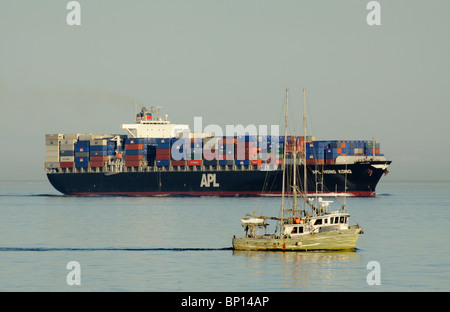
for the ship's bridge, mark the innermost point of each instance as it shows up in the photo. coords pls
(149, 124)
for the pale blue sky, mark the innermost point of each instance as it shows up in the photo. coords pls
(229, 62)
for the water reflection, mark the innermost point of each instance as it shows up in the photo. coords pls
(312, 270)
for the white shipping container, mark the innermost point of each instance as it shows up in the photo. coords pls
(93, 136)
(50, 165)
(52, 149)
(51, 158)
(52, 142)
(68, 141)
(67, 158)
(54, 136)
(86, 137)
(71, 136)
(67, 145)
(67, 148)
(99, 142)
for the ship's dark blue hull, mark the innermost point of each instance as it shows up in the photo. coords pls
(360, 179)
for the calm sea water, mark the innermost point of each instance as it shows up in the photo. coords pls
(183, 244)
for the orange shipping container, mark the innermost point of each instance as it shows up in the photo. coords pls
(134, 146)
(256, 162)
(194, 162)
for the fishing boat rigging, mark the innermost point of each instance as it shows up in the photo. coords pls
(304, 229)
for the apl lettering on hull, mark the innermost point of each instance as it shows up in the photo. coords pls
(207, 179)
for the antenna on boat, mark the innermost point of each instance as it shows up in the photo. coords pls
(345, 189)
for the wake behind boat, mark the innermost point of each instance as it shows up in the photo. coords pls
(301, 229)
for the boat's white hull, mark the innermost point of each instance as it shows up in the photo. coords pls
(333, 240)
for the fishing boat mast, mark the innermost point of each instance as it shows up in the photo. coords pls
(304, 150)
(284, 167)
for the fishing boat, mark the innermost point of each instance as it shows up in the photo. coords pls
(307, 228)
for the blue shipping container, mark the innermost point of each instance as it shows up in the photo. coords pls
(81, 148)
(163, 162)
(82, 144)
(66, 153)
(135, 141)
(81, 164)
(101, 153)
(163, 140)
(136, 152)
(163, 145)
(82, 159)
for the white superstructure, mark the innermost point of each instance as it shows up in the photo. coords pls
(149, 124)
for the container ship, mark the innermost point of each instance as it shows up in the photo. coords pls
(157, 158)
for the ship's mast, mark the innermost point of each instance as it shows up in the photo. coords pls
(305, 189)
(294, 178)
(284, 165)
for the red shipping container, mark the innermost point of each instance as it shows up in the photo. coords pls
(98, 158)
(134, 157)
(66, 164)
(178, 163)
(227, 141)
(132, 163)
(256, 162)
(134, 146)
(94, 164)
(194, 162)
(299, 148)
(163, 151)
(163, 157)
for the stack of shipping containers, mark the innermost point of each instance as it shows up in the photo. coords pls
(135, 152)
(67, 151)
(84, 151)
(82, 154)
(52, 150)
(162, 152)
